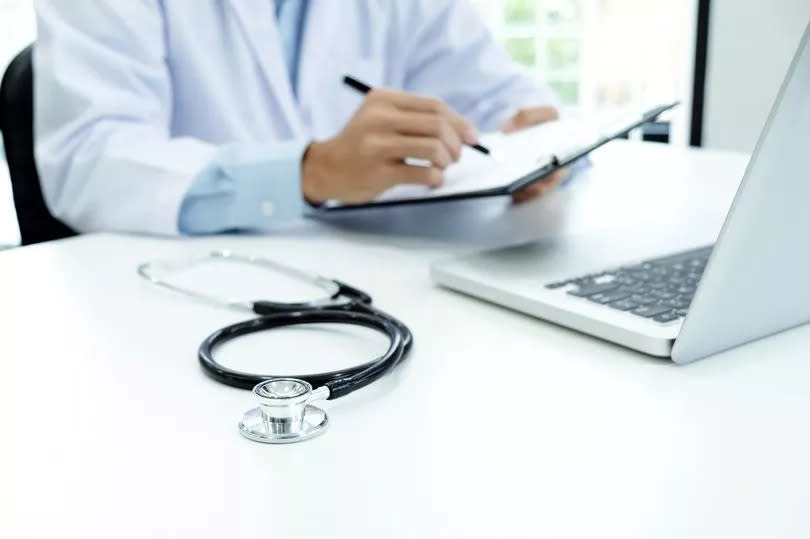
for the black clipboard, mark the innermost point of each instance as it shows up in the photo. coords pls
(557, 162)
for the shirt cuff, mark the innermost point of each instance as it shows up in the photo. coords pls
(576, 169)
(246, 187)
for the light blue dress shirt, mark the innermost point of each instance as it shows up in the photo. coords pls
(253, 187)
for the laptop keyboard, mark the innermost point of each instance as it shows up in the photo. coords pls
(661, 289)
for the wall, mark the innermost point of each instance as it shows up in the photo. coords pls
(751, 45)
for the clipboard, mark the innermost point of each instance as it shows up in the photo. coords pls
(548, 166)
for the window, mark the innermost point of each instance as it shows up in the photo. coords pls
(17, 28)
(600, 55)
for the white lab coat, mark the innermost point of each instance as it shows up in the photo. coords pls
(134, 97)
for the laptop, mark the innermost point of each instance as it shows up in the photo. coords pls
(674, 295)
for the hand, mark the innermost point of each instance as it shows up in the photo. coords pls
(527, 118)
(540, 188)
(368, 156)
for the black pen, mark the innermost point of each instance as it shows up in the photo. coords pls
(364, 88)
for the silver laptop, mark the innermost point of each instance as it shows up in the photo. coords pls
(687, 300)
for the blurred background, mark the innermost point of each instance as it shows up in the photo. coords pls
(604, 55)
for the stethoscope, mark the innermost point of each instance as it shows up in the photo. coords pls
(285, 412)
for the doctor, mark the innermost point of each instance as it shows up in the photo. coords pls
(200, 116)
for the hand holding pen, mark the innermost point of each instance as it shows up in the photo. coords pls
(368, 156)
(364, 88)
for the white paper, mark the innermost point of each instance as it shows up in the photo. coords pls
(513, 156)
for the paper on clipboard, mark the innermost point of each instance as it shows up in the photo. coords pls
(517, 159)
(513, 156)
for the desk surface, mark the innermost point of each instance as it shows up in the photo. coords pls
(498, 425)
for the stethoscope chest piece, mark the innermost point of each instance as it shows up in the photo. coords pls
(284, 414)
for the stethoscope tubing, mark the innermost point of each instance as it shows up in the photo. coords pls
(343, 304)
(340, 382)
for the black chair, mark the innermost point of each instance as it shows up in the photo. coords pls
(17, 125)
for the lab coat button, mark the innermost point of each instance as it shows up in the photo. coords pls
(268, 208)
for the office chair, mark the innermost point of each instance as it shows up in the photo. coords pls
(17, 125)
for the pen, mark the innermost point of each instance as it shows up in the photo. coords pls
(364, 88)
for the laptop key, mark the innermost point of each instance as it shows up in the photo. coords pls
(608, 297)
(637, 288)
(589, 290)
(667, 317)
(624, 305)
(677, 303)
(643, 300)
(650, 311)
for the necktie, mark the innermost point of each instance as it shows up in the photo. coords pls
(289, 15)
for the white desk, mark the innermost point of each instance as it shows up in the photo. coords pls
(498, 425)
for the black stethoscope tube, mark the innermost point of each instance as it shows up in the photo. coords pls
(344, 305)
(357, 311)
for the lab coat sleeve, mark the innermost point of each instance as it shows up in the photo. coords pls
(106, 157)
(102, 96)
(454, 56)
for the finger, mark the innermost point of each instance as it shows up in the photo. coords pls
(541, 188)
(529, 193)
(429, 125)
(552, 181)
(465, 130)
(405, 100)
(400, 147)
(528, 117)
(557, 178)
(397, 173)
(417, 103)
